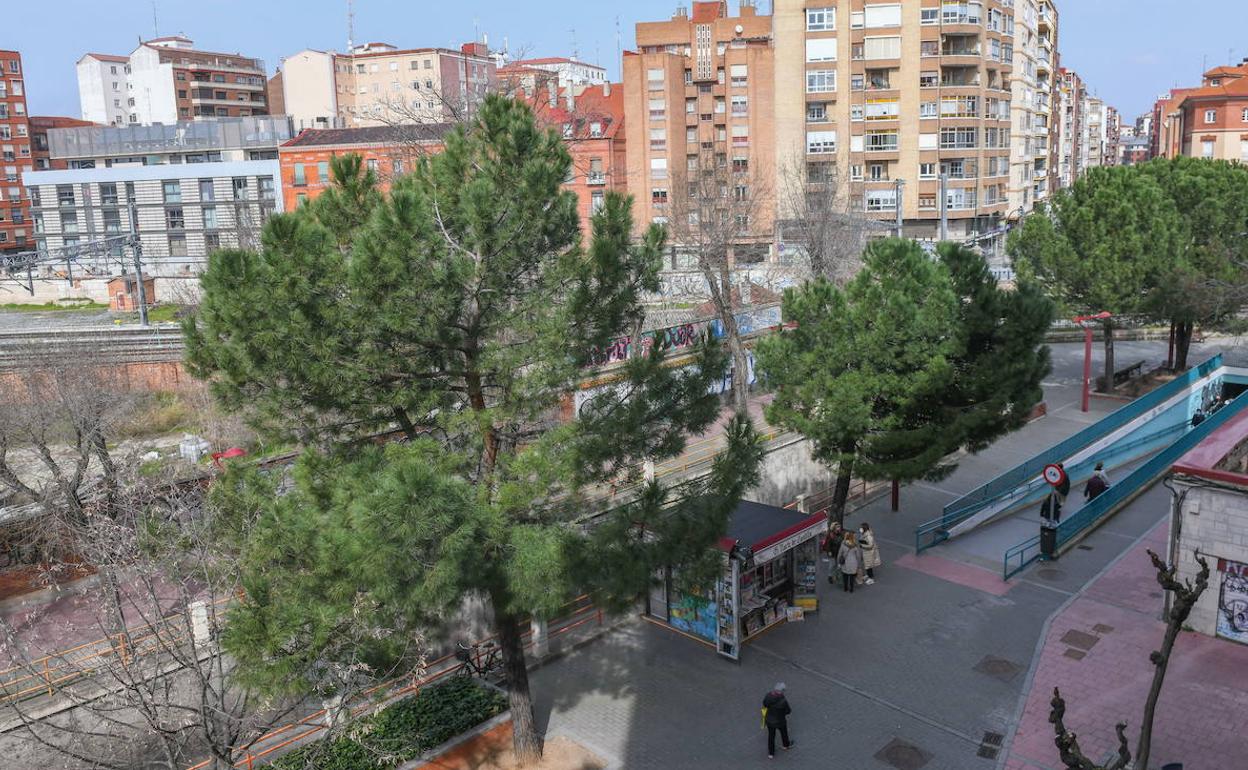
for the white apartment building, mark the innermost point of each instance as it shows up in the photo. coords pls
(1033, 129)
(571, 72)
(102, 88)
(183, 211)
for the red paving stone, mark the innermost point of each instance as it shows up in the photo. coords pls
(1202, 718)
(957, 572)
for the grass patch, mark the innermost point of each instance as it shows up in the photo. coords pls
(404, 730)
(164, 314)
(66, 306)
(160, 415)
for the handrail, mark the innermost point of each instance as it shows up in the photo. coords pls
(934, 532)
(1031, 468)
(1124, 491)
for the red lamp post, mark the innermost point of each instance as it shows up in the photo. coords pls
(1087, 354)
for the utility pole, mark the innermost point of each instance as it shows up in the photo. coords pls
(898, 186)
(137, 245)
(944, 207)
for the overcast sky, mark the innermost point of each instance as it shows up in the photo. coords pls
(1129, 51)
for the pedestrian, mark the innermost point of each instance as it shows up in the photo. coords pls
(776, 718)
(832, 544)
(870, 551)
(850, 560)
(1052, 508)
(1096, 485)
(1198, 418)
(1063, 489)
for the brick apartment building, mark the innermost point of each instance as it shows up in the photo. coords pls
(40, 148)
(591, 120)
(378, 84)
(389, 151)
(1206, 122)
(701, 84)
(16, 229)
(166, 80)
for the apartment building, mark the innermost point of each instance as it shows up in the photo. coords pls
(1095, 127)
(1072, 132)
(40, 146)
(700, 90)
(378, 84)
(1033, 128)
(17, 154)
(592, 121)
(1206, 122)
(202, 141)
(387, 151)
(569, 72)
(183, 212)
(167, 79)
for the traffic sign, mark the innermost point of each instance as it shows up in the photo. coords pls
(1054, 474)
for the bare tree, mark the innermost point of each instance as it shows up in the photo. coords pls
(718, 213)
(821, 227)
(1185, 596)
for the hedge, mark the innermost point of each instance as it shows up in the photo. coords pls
(403, 730)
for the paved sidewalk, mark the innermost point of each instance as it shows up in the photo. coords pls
(1096, 650)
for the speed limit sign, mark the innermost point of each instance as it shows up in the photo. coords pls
(1054, 475)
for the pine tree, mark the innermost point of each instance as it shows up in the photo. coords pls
(998, 361)
(848, 373)
(463, 309)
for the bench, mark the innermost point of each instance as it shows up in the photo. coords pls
(1123, 375)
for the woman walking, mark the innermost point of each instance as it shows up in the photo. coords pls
(850, 561)
(870, 551)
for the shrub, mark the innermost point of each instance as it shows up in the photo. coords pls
(403, 730)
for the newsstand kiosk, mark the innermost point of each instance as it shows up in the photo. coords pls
(770, 560)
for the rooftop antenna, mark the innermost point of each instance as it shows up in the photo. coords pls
(575, 53)
(476, 30)
(351, 27)
(619, 51)
(155, 20)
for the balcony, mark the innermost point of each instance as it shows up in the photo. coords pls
(596, 178)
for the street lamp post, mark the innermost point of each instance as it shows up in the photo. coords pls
(898, 185)
(1087, 354)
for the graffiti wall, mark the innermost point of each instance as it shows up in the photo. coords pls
(1233, 601)
(670, 338)
(694, 614)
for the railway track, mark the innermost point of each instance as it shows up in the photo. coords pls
(105, 344)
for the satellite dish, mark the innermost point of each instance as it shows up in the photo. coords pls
(740, 29)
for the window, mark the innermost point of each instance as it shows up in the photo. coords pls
(821, 49)
(882, 200)
(212, 241)
(658, 139)
(882, 48)
(877, 172)
(301, 179)
(240, 188)
(820, 81)
(820, 19)
(820, 142)
(210, 218)
(174, 219)
(740, 75)
(267, 190)
(740, 164)
(655, 78)
(112, 221)
(322, 172)
(69, 222)
(816, 112)
(740, 136)
(1206, 148)
(658, 195)
(1211, 116)
(658, 168)
(173, 191)
(929, 15)
(740, 105)
(177, 245)
(206, 191)
(881, 141)
(856, 112)
(929, 79)
(959, 138)
(65, 195)
(882, 16)
(1243, 150)
(927, 110)
(882, 109)
(1244, 115)
(927, 171)
(658, 109)
(857, 82)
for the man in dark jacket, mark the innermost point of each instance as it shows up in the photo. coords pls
(777, 719)
(1095, 486)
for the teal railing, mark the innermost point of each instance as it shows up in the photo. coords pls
(932, 532)
(1020, 556)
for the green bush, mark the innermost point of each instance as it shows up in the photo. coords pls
(404, 730)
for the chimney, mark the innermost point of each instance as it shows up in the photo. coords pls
(681, 13)
(606, 89)
(571, 98)
(553, 95)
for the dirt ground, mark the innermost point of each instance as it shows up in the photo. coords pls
(559, 754)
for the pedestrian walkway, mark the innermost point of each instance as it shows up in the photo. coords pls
(1096, 650)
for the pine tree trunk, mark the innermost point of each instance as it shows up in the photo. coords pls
(1182, 344)
(1109, 356)
(526, 742)
(840, 496)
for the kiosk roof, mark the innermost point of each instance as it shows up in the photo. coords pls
(757, 525)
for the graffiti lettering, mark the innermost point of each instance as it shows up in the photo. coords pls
(671, 338)
(1233, 602)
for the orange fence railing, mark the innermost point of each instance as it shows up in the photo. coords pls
(267, 746)
(43, 675)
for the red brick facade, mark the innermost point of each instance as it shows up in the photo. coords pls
(16, 155)
(39, 140)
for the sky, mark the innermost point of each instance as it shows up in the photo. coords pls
(1128, 51)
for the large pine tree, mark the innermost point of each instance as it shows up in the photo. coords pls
(462, 308)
